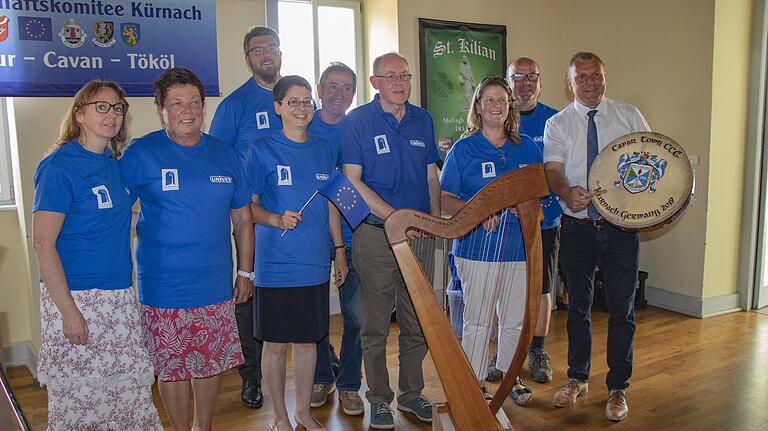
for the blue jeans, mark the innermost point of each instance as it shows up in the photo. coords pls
(351, 358)
(581, 247)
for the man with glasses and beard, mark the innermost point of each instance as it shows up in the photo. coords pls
(240, 120)
(248, 113)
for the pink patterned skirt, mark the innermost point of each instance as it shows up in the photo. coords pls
(191, 343)
(104, 384)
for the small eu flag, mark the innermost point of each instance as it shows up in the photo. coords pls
(34, 28)
(347, 199)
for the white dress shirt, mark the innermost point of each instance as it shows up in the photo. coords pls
(565, 137)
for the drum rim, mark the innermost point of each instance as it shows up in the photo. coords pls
(658, 223)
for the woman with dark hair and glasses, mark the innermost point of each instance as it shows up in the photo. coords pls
(490, 260)
(92, 357)
(292, 261)
(190, 186)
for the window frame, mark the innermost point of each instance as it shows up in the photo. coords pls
(357, 9)
(7, 194)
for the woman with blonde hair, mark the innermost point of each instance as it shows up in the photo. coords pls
(490, 260)
(92, 357)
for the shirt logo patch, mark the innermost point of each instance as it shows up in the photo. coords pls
(102, 197)
(538, 139)
(220, 179)
(489, 170)
(284, 177)
(262, 120)
(417, 143)
(170, 179)
(382, 145)
(322, 177)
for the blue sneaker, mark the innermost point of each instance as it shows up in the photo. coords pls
(381, 417)
(420, 406)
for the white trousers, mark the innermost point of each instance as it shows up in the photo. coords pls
(489, 285)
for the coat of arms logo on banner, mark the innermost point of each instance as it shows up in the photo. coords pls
(130, 32)
(72, 34)
(103, 32)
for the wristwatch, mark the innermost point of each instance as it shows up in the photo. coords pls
(248, 275)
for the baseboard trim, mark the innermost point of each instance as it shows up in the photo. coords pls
(20, 353)
(691, 306)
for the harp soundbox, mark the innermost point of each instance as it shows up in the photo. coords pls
(466, 408)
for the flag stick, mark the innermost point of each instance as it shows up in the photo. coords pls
(302, 209)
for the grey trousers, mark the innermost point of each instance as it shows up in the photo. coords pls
(382, 289)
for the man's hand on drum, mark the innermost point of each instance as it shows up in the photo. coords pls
(577, 198)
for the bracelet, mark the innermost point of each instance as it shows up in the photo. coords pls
(336, 247)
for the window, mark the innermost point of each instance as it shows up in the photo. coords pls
(6, 176)
(314, 33)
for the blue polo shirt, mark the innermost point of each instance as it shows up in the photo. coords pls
(184, 236)
(532, 124)
(94, 242)
(285, 174)
(245, 116)
(394, 156)
(331, 133)
(472, 163)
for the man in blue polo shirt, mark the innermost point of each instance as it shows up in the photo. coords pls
(336, 90)
(242, 118)
(389, 154)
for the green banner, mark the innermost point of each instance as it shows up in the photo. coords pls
(455, 57)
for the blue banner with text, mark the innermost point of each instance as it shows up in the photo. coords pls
(53, 47)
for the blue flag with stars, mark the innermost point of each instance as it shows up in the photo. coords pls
(347, 199)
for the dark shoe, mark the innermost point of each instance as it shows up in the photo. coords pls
(493, 374)
(538, 362)
(616, 408)
(420, 406)
(381, 417)
(251, 395)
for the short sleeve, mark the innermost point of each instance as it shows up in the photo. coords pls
(432, 155)
(241, 197)
(351, 138)
(254, 172)
(129, 166)
(639, 122)
(54, 189)
(224, 124)
(554, 142)
(450, 176)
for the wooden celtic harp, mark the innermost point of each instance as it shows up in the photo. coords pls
(466, 405)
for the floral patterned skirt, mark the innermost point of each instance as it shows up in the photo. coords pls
(104, 384)
(187, 343)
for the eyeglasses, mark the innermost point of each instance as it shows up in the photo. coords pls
(520, 77)
(405, 77)
(260, 50)
(295, 103)
(103, 107)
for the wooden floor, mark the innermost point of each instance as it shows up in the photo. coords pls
(689, 374)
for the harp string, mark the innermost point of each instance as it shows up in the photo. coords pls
(491, 276)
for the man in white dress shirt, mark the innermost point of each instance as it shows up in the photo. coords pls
(572, 138)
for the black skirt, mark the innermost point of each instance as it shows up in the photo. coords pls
(291, 314)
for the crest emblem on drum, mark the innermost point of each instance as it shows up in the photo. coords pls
(640, 171)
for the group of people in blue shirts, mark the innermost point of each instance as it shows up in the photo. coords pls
(253, 178)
